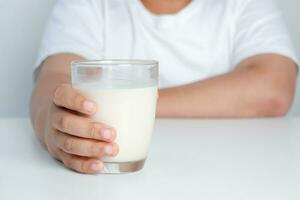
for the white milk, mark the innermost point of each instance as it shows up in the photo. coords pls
(131, 112)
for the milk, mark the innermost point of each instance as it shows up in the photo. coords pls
(131, 112)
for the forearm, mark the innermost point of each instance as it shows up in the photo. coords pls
(223, 96)
(54, 71)
(245, 92)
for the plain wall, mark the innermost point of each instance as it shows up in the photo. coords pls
(290, 10)
(22, 23)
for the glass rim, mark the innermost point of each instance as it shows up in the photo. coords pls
(113, 62)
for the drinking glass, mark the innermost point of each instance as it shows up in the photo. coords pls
(126, 94)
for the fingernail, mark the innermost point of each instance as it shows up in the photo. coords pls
(106, 134)
(88, 106)
(96, 166)
(108, 149)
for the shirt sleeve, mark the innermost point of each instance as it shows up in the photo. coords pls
(73, 27)
(260, 29)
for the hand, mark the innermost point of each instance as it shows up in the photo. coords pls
(72, 137)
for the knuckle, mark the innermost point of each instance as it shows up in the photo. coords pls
(92, 130)
(68, 144)
(95, 149)
(67, 161)
(58, 92)
(64, 122)
(76, 164)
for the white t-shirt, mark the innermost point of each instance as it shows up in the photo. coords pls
(204, 39)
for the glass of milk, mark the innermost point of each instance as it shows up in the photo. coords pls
(126, 94)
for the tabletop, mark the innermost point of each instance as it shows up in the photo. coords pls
(257, 159)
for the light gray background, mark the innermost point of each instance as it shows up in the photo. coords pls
(22, 23)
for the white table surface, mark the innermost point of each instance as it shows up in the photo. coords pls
(189, 159)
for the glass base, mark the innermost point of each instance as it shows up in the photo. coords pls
(122, 167)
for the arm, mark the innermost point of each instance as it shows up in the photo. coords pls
(261, 86)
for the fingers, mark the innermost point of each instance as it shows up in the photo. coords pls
(78, 141)
(81, 164)
(65, 96)
(81, 126)
(84, 147)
